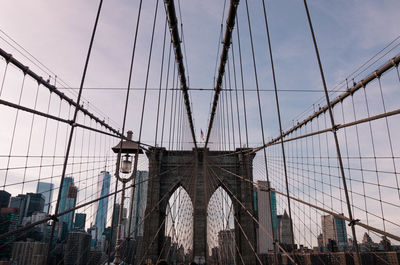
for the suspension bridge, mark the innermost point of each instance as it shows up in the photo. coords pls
(79, 187)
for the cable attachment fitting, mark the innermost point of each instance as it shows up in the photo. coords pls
(8, 57)
(335, 128)
(25, 70)
(54, 218)
(353, 222)
(394, 63)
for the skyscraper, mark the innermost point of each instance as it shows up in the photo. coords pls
(68, 201)
(80, 220)
(285, 235)
(341, 231)
(4, 198)
(320, 240)
(115, 224)
(367, 239)
(101, 207)
(9, 219)
(77, 248)
(278, 229)
(124, 222)
(39, 232)
(27, 253)
(226, 244)
(27, 204)
(333, 228)
(95, 257)
(115, 215)
(139, 203)
(19, 202)
(266, 205)
(34, 203)
(46, 189)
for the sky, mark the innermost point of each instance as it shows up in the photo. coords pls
(348, 33)
(57, 33)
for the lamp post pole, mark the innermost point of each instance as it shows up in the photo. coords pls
(125, 147)
(117, 258)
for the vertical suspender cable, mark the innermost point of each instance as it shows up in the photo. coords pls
(135, 165)
(232, 115)
(172, 20)
(230, 23)
(242, 79)
(236, 96)
(4, 78)
(172, 107)
(174, 121)
(161, 79)
(263, 136)
(227, 113)
(166, 96)
(13, 133)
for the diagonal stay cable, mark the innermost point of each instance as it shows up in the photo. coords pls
(52, 217)
(158, 231)
(250, 214)
(277, 110)
(191, 187)
(316, 207)
(73, 127)
(171, 230)
(235, 219)
(340, 161)
(156, 206)
(135, 165)
(394, 62)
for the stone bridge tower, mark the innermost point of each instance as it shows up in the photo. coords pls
(193, 171)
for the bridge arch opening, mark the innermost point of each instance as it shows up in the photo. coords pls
(179, 226)
(221, 228)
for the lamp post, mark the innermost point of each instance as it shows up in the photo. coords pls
(124, 166)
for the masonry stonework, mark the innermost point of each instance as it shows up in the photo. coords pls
(200, 172)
